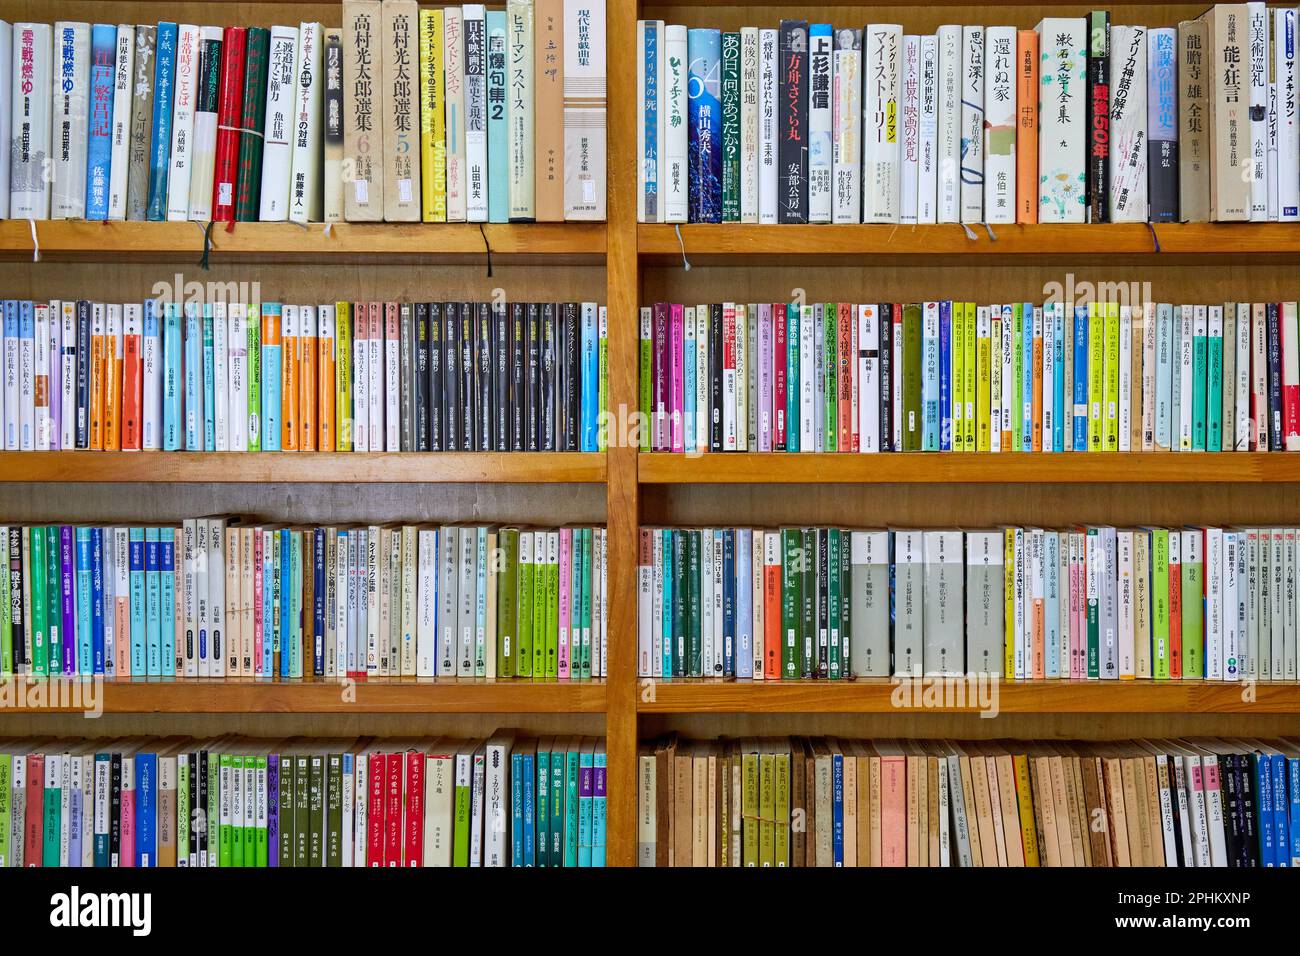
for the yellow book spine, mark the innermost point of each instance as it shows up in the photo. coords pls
(433, 122)
(113, 386)
(1028, 831)
(343, 375)
(983, 383)
(781, 852)
(1111, 436)
(971, 373)
(957, 431)
(1096, 374)
(1009, 604)
(749, 822)
(326, 386)
(767, 810)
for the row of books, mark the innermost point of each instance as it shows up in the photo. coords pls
(339, 376)
(228, 598)
(509, 800)
(401, 115)
(835, 802)
(1074, 120)
(1094, 602)
(957, 376)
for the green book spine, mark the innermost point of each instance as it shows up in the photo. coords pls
(224, 796)
(1193, 600)
(334, 820)
(343, 372)
(543, 803)
(260, 836)
(766, 810)
(286, 801)
(6, 811)
(781, 798)
(557, 802)
(731, 127)
(682, 650)
(1096, 374)
(1110, 438)
(791, 601)
(301, 810)
(1200, 362)
(1160, 603)
(833, 661)
(254, 366)
(690, 582)
(249, 830)
(316, 811)
(53, 813)
(1094, 608)
(645, 382)
(524, 635)
(460, 838)
(541, 637)
(552, 606)
(911, 372)
(571, 761)
(831, 347)
(40, 648)
(54, 600)
(792, 376)
(1214, 379)
(507, 601)
(588, 551)
(749, 821)
(808, 627)
(236, 802)
(248, 188)
(1017, 375)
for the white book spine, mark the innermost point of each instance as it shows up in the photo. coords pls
(185, 92)
(454, 75)
(119, 161)
(1128, 124)
(1184, 381)
(972, 124)
(1257, 74)
(847, 181)
(277, 146)
(476, 161)
(1214, 603)
(29, 188)
(220, 375)
(1124, 546)
(71, 82)
(948, 115)
(911, 145)
(749, 89)
(1149, 376)
(702, 380)
(306, 199)
(41, 377)
(1271, 167)
(1288, 125)
(768, 65)
(1242, 385)
(378, 400)
(1061, 122)
(882, 45)
(584, 110)
(1000, 126)
(6, 116)
(927, 177)
(676, 181)
(821, 159)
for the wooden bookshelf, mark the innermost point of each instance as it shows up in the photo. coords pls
(113, 467)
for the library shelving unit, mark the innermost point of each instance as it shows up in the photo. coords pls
(625, 264)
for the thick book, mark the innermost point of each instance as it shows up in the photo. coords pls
(552, 61)
(1162, 124)
(142, 99)
(1027, 92)
(363, 82)
(70, 109)
(306, 196)
(1127, 170)
(400, 172)
(704, 53)
(520, 111)
(1227, 109)
(474, 24)
(820, 125)
(973, 83)
(203, 144)
(846, 180)
(792, 127)
(332, 125)
(1194, 66)
(29, 133)
(277, 124)
(1000, 124)
(433, 118)
(252, 120)
(1062, 119)
(120, 137)
(584, 110)
(99, 145)
(729, 92)
(1099, 145)
(882, 47)
(230, 115)
(185, 92)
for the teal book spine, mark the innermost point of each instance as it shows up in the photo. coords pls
(85, 662)
(53, 809)
(253, 388)
(542, 813)
(598, 808)
(587, 548)
(167, 601)
(139, 664)
(54, 598)
(666, 608)
(497, 124)
(571, 805)
(930, 377)
(271, 376)
(295, 613)
(193, 371)
(575, 614)
(586, 790)
(1200, 372)
(153, 601)
(209, 383)
(731, 127)
(1214, 380)
(792, 377)
(173, 379)
(39, 647)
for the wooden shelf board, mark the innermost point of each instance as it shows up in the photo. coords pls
(303, 467)
(949, 467)
(386, 696)
(875, 696)
(70, 240)
(747, 244)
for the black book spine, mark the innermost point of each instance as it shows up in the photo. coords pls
(887, 372)
(191, 804)
(115, 809)
(21, 654)
(83, 373)
(1239, 768)
(437, 357)
(715, 377)
(821, 647)
(561, 383)
(792, 123)
(421, 376)
(518, 393)
(451, 375)
(486, 394)
(547, 414)
(681, 667)
(406, 377)
(1274, 378)
(1098, 116)
(201, 818)
(468, 375)
(572, 364)
(533, 377)
(1162, 179)
(1175, 812)
(1231, 795)
(501, 421)
(1249, 798)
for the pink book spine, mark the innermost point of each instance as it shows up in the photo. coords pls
(764, 416)
(566, 549)
(178, 591)
(257, 601)
(893, 817)
(126, 856)
(677, 400)
(855, 441)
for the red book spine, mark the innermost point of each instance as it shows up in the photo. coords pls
(393, 812)
(132, 377)
(659, 401)
(229, 112)
(844, 376)
(375, 812)
(414, 851)
(778, 375)
(34, 841)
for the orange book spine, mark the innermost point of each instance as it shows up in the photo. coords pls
(1027, 127)
(132, 371)
(289, 364)
(308, 319)
(113, 380)
(98, 372)
(1037, 401)
(326, 374)
(771, 606)
(844, 376)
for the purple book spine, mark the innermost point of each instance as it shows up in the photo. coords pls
(55, 377)
(273, 810)
(659, 412)
(67, 567)
(676, 347)
(764, 376)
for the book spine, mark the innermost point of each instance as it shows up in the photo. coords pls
(72, 46)
(1001, 128)
(520, 110)
(277, 128)
(252, 122)
(229, 119)
(792, 129)
(1162, 124)
(882, 48)
(363, 142)
(1026, 147)
(705, 152)
(820, 120)
(400, 162)
(142, 106)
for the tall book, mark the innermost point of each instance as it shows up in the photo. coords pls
(29, 149)
(1062, 119)
(203, 144)
(882, 61)
(332, 126)
(846, 182)
(1000, 124)
(306, 198)
(1227, 109)
(650, 131)
(99, 145)
(453, 98)
(1027, 93)
(1288, 122)
(729, 92)
(433, 119)
(704, 54)
(1128, 125)
(363, 81)
(1162, 124)
(769, 60)
(186, 89)
(120, 138)
(160, 137)
(909, 128)
(277, 139)
(400, 164)
(498, 131)
(1099, 116)
(142, 97)
(948, 111)
(927, 175)
(584, 110)
(792, 128)
(820, 126)
(71, 76)
(551, 64)
(973, 83)
(1256, 56)
(1194, 143)
(252, 120)
(474, 23)
(520, 110)
(6, 117)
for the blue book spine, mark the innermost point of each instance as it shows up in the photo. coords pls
(945, 376)
(68, 598)
(193, 377)
(85, 633)
(1033, 321)
(930, 377)
(651, 45)
(703, 54)
(586, 788)
(167, 603)
(99, 142)
(11, 335)
(26, 347)
(837, 809)
(516, 809)
(286, 604)
(318, 600)
(173, 379)
(598, 811)
(1080, 378)
(271, 380)
(792, 378)
(153, 602)
(146, 809)
(728, 662)
(528, 800)
(83, 373)
(1058, 372)
(1293, 776)
(139, 665)
(1263, 808)
(498, 160)
(101, 771)
(97, 598)
(160, 146)
(744, 603)
(209, 383)
(667, 610)
(1281, 838)
(590, 376)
